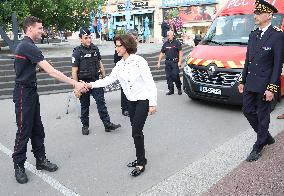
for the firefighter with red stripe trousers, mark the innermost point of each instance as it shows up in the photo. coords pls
(173, 50)
(260, 77)
(26, 99)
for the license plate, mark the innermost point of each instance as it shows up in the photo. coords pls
(210, 90)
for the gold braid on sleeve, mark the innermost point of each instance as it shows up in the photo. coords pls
(273, 88)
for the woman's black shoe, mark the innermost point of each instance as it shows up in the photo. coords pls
(134, 163)
(137, 171)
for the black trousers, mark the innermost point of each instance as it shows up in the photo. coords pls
(172, 74)
(98, 95)
(27, 110)
(138, 112)
(257, 111)
(124, 104)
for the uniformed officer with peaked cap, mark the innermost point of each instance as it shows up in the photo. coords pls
(260, 77)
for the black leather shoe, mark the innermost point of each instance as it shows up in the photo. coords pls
(110, 126)
(270, 140)
(85, 130)
(134, 163)
(45, 164)
(20, 174)
(125, 113)
(137, 171)
(170, 93)
(179, 92)
(253, 156)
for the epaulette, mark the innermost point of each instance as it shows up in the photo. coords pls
(254, 30)
(277, 29)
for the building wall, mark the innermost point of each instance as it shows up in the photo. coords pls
(159, 12)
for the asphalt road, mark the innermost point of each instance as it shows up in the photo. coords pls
(181, 134)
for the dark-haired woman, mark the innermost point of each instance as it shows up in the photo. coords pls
(137, 82)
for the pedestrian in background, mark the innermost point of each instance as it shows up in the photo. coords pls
(197, 38)
(173, 51)
(26, 99)
(165, 26)
(137, 82)
(87, 66)
(260, 76)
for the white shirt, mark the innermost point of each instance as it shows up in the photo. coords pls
(135, 79)
(264, 29)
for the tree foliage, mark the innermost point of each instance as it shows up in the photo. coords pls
(63, 14)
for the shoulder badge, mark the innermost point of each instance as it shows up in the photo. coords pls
(277, 29)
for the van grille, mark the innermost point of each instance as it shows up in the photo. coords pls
(220, 78)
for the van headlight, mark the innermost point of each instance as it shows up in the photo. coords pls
(188, 71)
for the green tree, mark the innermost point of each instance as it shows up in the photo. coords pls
(63, 14)
(6, 9)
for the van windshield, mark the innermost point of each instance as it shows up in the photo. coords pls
(233, 30)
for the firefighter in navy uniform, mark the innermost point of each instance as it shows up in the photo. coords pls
(86, 66)
(26, 99)
(173, 51)
(260, 76)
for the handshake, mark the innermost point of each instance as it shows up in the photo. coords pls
(81, 87)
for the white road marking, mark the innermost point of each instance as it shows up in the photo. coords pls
(49, 180)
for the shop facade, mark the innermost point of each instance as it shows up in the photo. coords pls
(141, 12)
(196, 15)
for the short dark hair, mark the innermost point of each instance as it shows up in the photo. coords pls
(128, 42)
(84, 31)
(30, 21)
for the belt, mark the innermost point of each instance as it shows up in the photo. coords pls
(29, 85)
(175, 59)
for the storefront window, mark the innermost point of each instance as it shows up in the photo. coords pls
(191, 13)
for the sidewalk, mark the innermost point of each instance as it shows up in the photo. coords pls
(263, 177)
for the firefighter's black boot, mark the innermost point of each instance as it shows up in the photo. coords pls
(20, 174)
(44, 164)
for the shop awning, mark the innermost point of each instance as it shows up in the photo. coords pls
(134, 12)
(197, 24)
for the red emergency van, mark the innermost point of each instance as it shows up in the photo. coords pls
(214, 67)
